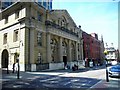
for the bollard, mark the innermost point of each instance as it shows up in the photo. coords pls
(107, 75)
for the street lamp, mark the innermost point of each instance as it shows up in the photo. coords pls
(18, 72)
(18, 67)
(107, 76)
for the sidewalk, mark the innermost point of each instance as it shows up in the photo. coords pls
(25, 75)
(113, 84)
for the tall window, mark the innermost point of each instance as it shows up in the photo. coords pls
(39, 0)
(6, 20)
(50, 8)
(45, 4)
(39, 38)
(15, 38)
(39, 17)
(5, 38)
(17, 15)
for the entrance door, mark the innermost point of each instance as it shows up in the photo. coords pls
(65, 60)
(4, 60)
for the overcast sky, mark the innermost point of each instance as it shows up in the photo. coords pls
(94, 17)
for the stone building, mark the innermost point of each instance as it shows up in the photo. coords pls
(40, 38)
(112, 54)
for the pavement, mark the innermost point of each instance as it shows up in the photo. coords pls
(113, 84)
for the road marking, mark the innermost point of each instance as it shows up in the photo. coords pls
(67, 83)
(95, 84)
(54, 78)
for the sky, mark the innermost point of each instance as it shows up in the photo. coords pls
(94, 16)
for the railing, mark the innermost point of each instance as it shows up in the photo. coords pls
(49, 23)
(42, 66)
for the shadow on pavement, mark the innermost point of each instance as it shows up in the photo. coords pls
(77, 71)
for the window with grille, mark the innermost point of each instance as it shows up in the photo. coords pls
(39, 38)
(39, 58)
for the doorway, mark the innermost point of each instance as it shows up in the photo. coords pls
(5, 58)
(65, 60)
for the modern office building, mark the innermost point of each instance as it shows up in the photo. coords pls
(47, 4)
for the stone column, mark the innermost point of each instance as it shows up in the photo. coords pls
(76, 51)
(60, 50)
(48, 48)
(69, 50)
(81, 48)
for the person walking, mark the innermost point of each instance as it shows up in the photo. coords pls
(13, 67)
(16, 66)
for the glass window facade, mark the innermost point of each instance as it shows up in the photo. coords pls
(50, 6)
(39, 2)
(6, 4)
(45, 4)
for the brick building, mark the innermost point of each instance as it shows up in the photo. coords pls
(92, 48)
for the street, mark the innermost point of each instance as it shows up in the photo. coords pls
(58, 79)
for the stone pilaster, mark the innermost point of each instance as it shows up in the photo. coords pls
(81, 48)
(60, 50)
(69, 50)
(76, 51)
(48, 48)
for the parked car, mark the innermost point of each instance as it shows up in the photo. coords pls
(114, 71)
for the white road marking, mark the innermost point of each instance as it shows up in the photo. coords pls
(96, 84)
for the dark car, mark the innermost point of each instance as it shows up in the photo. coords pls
(114, 71)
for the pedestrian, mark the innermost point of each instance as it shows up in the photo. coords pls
(13, 67)
(16, 66)
(84, 63)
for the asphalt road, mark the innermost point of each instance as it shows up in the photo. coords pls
(57, 79)
(51, 82)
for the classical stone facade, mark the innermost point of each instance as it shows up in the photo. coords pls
(40, 38)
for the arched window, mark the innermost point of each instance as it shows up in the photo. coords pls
(64, 22)
(54, 50)
(53, 45)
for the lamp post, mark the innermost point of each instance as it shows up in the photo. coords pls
(18, 67)
(18, 74)
(107, 76)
